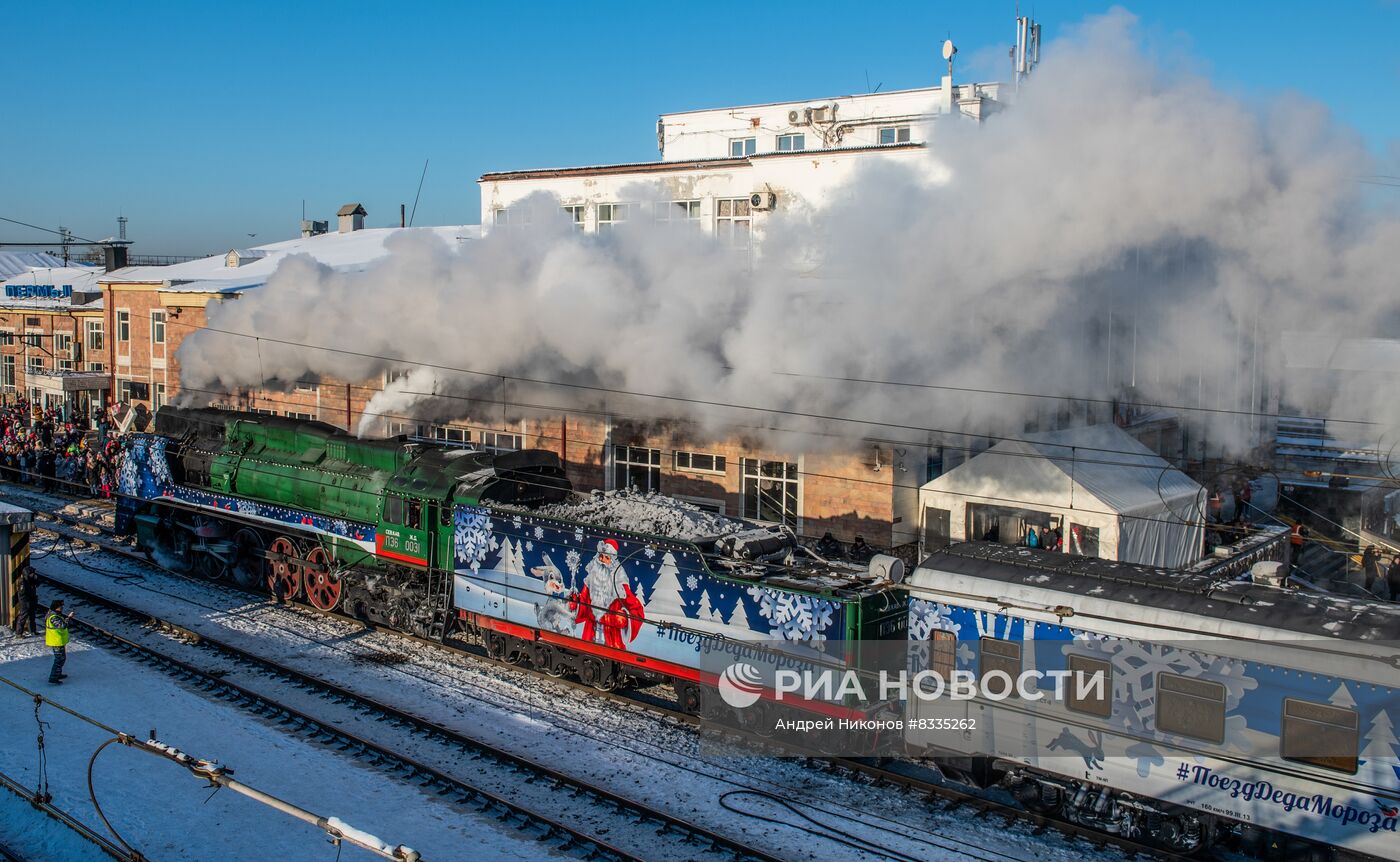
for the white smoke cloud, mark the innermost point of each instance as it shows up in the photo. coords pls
(1121, 230)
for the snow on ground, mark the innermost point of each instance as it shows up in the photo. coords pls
(627, 750)
(164, 811)
(644, 512)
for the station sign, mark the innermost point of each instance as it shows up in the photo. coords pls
(38, 291)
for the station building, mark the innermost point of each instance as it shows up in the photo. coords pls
(52, 336)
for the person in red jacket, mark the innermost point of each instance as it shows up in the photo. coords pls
(606, 606)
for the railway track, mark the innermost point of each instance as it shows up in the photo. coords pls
(949, 798)
(613, 814)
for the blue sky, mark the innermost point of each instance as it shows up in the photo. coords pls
(204, 123)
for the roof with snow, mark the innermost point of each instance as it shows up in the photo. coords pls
(343, 251)
(1074, 468)
(50, 287)
(351, 209)
(16, 262)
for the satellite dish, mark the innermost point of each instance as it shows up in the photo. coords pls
(949, 49)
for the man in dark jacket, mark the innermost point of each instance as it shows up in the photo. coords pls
(828, 548)
(860, 551)
(1371, 565)
(27, 610)
(1392, 578)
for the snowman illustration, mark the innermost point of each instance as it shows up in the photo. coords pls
(553, 614)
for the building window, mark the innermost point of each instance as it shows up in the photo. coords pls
(1001, 655)
(34, 339)
(894, 134)
(305, 386)
(1190, 707)
(93, 328)
(159, 400)
(263, 412)
(612, 215)
(499, 441)
(406, 429)
(1093, 678)
(394, 375)
(7, 372)
(792, 143)
(678, 212)
(700, 462)
(130, 390)
(157, 327)
(574, 213)
(34, 365)
(500, 216)
(63, 351)
(292, 414)
(769, 491)
(7, 339)
(123, 326)
(732, 221)
(740, 147)
(449, 434)
(636, 467)
(95, 366)
(1320, 734)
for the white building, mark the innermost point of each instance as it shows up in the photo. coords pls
(724, 169)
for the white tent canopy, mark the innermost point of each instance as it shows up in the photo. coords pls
(1109, 495)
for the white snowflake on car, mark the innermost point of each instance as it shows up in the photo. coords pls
(340, 527)
(160, 464)
(529, 546)
(926, 618)
(650, 552)
(517, 522)
(246, 507)
(578, 535)
(573, 561)
(794, 617)
(539, 532)
(471, 538)
(692, 582)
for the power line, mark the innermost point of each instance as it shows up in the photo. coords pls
(51, 230)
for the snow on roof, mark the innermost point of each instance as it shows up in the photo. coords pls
(15, 262)
(348, 251)
(1086, 468)
(41, 287)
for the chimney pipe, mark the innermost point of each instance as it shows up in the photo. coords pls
(402, 223)
(114, 255)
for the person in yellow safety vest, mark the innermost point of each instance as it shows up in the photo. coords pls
(56, 638)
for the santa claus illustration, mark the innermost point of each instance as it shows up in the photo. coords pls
(606, 605)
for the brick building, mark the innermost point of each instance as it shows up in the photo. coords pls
(51, 336)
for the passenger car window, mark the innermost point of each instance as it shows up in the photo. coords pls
(1320, 734)
(1191, 707)
(1096, 700)
(999, 655)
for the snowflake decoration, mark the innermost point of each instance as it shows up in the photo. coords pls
(692, 582)
(650, 552)
(471, 538)
(539, 532)
(247, 507)
(928, 617)
(340, 527)
(517, 522)
(160, 464)
(529, 546)
(794, 617)
(573, 561)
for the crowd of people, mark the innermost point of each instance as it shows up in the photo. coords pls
(58, 452)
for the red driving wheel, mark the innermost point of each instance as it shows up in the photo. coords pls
(284, 570)
(322, 582)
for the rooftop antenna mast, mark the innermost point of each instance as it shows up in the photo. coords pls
(1026, 54)
(121, 227)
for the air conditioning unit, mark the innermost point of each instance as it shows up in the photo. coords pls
(819, 115)
(762, 201)
(797, 118)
